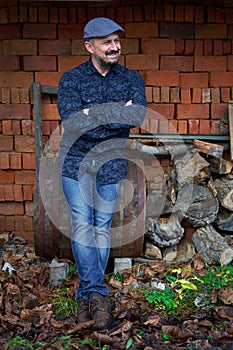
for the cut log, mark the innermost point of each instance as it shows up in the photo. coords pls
(224, 188)
(197, 205)
(220, 166)
(157, 205)
(224, 220)
(152, 251)
(185, 251)
(189, 166)
(170, 254)
(212, 246)
(210, 149)
(164, 232)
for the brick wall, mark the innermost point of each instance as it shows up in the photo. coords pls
(183, 52)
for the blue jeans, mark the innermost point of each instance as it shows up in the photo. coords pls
(91, 208)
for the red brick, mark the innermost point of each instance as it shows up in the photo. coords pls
(4, 18)
(128, 14)
(193, 126)
(194, 111)
(179, 50)
(221, 79)
(189, 47)
(55, 47)
(179, 13)
(16, 79)
(40, 63)
(199, 14)
(28, 223)
(46, 127)
(53, 15)
(27, 127)
(159, 15)
(27, 192)
(29, 206)
(23, 16)
(10, 31)
(156, 94)
(7, 176)
(6, 95)
(215, 95)
(194, 80)
(189, 13)
(7, 224)
(177, 30)
(9, 63)
(176, 63)
(20, 47)
(63, 15)
(50, 112)
(185, 95)
(15, 111)
(69, 62)
(25, 177)
(6, 143)
(16, 127)
(49, 78)
(168, 12)
(18, 193)
(29, 161)
(6, 127)
(215, 126)
(15, 98)
(157, 78)
(226, 47)
(211, 31)
(218, 110)
(165, 94)
(70, 31)
(158, 46)
(11, 208)
(218, 48)
(19, 223)
(141, 30)
(32, 14)
(2, 193)
(229, 15)
(175, 95)
(15, 161)
(55, 129)
(142, 61)
(172, 126)
(182, 127)
(225, 94)
(137, 13)
(149, 13)
(163, 110)
(208, 47)
(39, 31)
(8, 193)
(220, 14)
(4, 160)
(24, 143)
(206, 95)
(24, 95)
(197, 95)
(72, 14)
(204, 127)
(153, 126)
(199, 47)
(211, 14)
(210, 63)
(163, 126)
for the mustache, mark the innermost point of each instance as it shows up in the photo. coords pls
(112, 52)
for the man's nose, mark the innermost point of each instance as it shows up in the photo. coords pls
(114, 46)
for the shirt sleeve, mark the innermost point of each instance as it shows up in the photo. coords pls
(116, 114)
(70, 106)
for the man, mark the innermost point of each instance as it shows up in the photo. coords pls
(98, 101)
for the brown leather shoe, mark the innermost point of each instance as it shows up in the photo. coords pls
(100, 308)
(83, 310)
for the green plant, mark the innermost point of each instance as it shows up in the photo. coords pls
(65, 306)
(21, 342)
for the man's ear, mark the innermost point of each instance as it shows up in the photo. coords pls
(88, 46)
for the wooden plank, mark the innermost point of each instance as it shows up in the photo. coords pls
(230, 110)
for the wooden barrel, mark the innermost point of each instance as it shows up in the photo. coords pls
(51, 219)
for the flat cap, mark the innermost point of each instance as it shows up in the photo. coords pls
(100, 27)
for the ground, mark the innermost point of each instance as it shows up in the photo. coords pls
(155, 307)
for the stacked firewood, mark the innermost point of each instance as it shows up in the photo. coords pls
(197, 192)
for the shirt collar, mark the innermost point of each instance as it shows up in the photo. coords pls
(92, 70)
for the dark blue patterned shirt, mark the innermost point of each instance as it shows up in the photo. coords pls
(95, 142)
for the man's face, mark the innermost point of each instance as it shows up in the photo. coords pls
(105, 51)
